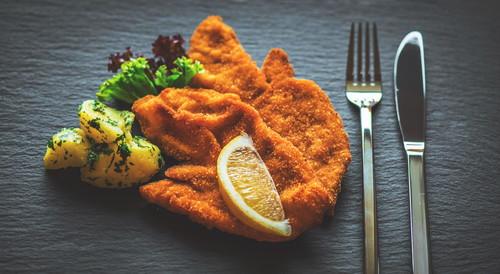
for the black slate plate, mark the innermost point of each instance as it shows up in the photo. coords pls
(52, 57)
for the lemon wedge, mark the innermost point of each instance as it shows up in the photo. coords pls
(248, 189)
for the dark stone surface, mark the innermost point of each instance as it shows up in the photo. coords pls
(53, 57)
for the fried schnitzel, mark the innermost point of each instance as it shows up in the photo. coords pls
(191, 187)
(301, 112)
(297, 109)
(230, 69)
(296, 130)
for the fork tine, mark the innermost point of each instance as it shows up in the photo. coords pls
(367, 52)
(350, 57)
(376, 58)
(359, 57)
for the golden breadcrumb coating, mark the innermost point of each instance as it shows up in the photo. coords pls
(302, 113)
(229, 68)
(306, 147)
(276, 66)
(191, 188)
(297, 109)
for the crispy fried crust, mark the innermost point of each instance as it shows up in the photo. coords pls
(276, 66)
(192, 125)
(229, 68)
(188, 143)
(297, 109)
(302, 113)
(192, 188)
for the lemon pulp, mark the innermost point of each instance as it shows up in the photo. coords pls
(248, 189)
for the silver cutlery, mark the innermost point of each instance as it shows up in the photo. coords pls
(409, 89)
(364, 89)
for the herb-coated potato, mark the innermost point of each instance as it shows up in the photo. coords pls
(102, 123)
(104, 149)
(122, 164)
(67, 148)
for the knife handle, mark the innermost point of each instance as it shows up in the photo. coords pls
(371, 262)
(418, 213)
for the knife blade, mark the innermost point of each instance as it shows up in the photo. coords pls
(409, 86)
(409, 89)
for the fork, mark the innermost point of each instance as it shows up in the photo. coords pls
(364, 89)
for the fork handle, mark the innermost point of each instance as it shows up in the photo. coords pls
(371, 262)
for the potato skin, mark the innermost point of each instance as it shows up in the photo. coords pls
(67, 148)
(122, 164)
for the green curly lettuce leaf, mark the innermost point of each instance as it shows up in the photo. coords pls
(132, 83)
(180, 76)
(136, 79)
(185, 69)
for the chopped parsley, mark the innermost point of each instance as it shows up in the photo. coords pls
(98, 107)
(94, 152)
(92, 158)
(112, 122)
(95, 123)
(124, 150)
(50, 143)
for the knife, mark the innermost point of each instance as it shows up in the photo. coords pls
(409, 89)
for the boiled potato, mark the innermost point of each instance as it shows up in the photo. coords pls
(102, 123)
(104, 148)
(122, 164)
(67, 148)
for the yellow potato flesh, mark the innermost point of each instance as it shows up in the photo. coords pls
(104, 124)
(104, 149)
(68, 148)
(123, 164)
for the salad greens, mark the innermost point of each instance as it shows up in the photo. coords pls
(137, 79)
(180, 76)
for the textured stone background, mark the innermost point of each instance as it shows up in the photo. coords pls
(53, 55)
